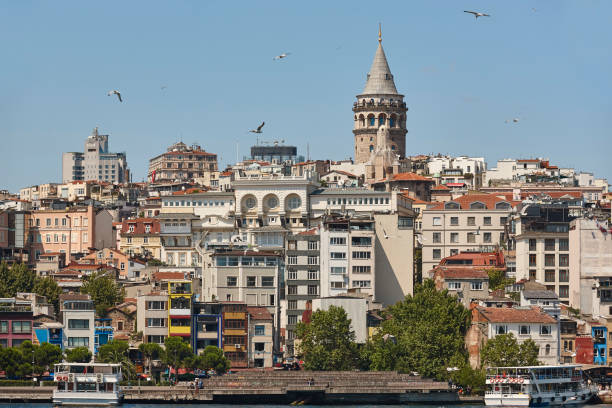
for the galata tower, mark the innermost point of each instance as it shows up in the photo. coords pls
(379, 105)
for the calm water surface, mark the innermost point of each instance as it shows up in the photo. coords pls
(254, 406)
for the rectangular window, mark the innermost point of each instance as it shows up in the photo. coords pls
(292, 275)
(454, 220)
(532, 244)
(85, 236)
(486, 237)
(313, 275)
(404, 222)
(503, 220)
(260, 330)
(563, 275)
(251, 281)
(437, 221)
(361, 241)
(549, 275)
(22, 327)
(454, 237)
(292, 289)
(292, 319)
(313, 260)
(78, 341)
(313, 245)
(267, 281)
(549, 260)
(362, 269)
(532, 274)
(313, 290)
(471, 221)
(232, 281)
(292, 260)
(361, 254)
(156, 322)
(486, 220)
(532, 260)
(471, 238)
(564, 291)
(362, 284)
(337, 285)
(337, 255)
(292, 245)
(337, 241)
(563, 244)
(338, 270)
(78, 323)
(549, 244)
(4, 325)
(437, 237)
(156, 305)
(545, 330)
(524, 330)
(49, 222)
(437, 254)
(501, 329)
(454, 285)
(476, 285)
(563, 260)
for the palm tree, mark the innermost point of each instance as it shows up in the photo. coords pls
(151, 351)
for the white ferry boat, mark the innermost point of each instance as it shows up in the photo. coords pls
(537, 386)
(87, 384)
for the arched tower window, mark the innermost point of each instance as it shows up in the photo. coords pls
(371, 120)
(392, 147)
(392, 121)
(361, 121)
(381, 119)
(371, 148)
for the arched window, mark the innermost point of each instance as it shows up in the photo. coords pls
(372, 120)
(391, 121)
(477, 205)
(451, 205)
(381, 119)
(371, 148)
(502, 205)
(392, 147)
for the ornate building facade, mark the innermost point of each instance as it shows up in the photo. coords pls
(379, 105)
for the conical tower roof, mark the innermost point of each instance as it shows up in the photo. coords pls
(380, 79)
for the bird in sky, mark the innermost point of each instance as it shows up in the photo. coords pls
(258, 130)
(515, 120)
(280, 57)
(476, 13)
(115, 92)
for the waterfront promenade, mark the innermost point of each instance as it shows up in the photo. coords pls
(281, 387)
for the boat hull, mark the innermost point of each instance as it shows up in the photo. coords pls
(544, 400)
(89, 399)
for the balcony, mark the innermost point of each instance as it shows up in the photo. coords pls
(179, 330)
(180, 312)
(234, 332)
(234, 315)
(233, 348)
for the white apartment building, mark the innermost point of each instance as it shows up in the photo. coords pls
(78, 316)
(469, 170)
(470, 222)
(152, 317)
(590, 263)
(95, 163)
(517, 169)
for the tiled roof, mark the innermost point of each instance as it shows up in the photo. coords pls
(489, 200)
(461, 273)
(312, 231)
(225, 174)
(259, 313)
(158, 276)
(528, 161)
(477, 258)
(440, 187)
(515, 315)
(192, 152)
(410, 177)
(346, 173)
(192, 190)
(539, 294)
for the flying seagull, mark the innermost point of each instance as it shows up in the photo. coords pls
(283, 55)
(477, 13)
(258, 130)
(515, 120)
(115, 92)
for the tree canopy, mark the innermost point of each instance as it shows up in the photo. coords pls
(178, 352)
(79, 354)
(104, 291)
(498, 279)
(27, 359)
(423, 333)
(328, 342)
(18, 278)
(151, 351)
(116, 351)
(504, 351)
(212, 358)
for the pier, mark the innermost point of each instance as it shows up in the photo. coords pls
(283, 387)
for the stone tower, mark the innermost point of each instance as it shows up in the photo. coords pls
(379, 105)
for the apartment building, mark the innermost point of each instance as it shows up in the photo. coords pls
(78, 316)
(470, 222)
(180, 299)
(410, 184)
(69, 231)
(140, 236)
(524, 323)
(181, 162)
(590, 263)
(95, 163)
(302, 278)
(467, 284)
(207, 325)
(235, 320)
(462, 169)
(261, 337)
(16, 321)
(542, 246)
(152, 316)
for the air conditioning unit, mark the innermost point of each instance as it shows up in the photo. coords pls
(237, 346)
(99, 377)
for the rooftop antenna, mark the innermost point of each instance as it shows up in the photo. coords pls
(307, 151)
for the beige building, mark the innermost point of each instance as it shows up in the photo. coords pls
(261, 337)
(470, 222)
(140, 236)
(181, 162)
(466, 283)
(152, 317)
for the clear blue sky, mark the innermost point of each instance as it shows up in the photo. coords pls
(462, 78)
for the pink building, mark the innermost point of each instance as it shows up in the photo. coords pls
(68, 231)
(16, 319)
(4, 229)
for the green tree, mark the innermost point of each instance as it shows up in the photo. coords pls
(423, 333)
(178, 352)
(104, 291)
(212, 358)
(78, 355)
(50, 289)
(13, 362)
(151, 351)
(116, 352)
(17, 278)
(466, 376)
(43, 356)
(327, 342)
(498, 279)
(504, 351)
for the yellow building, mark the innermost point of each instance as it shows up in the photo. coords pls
(140, 236)
(179, 308)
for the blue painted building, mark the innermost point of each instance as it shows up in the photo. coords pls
(600, 345)
(49, 332)
(206, 325)
(103, 332)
